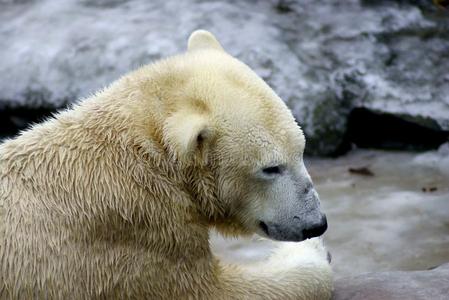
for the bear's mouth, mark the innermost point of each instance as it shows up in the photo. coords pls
(264, 227)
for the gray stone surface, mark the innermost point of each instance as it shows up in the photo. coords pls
(323, 58)
(411, 285)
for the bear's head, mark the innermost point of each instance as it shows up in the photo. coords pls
(240, 145)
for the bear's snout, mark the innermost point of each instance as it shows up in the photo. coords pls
(315, 229)
(294, 231)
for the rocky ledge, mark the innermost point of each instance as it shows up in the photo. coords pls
(331, 62)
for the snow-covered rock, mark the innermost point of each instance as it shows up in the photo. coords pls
(322, 58)
(411, 285)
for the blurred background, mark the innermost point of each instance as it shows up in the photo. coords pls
(368, 81)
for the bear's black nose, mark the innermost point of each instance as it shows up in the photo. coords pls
(316, 229)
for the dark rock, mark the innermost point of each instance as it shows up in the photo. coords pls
(13, 120)
(373, 129)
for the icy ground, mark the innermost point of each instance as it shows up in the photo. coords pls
(396, 219)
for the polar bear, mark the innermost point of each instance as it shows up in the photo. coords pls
(114, 197)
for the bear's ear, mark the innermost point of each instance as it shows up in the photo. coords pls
(187, 135)
(202, 39)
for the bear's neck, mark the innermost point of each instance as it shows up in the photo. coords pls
(106, 187)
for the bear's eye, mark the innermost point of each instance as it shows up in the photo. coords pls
(274, 170)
